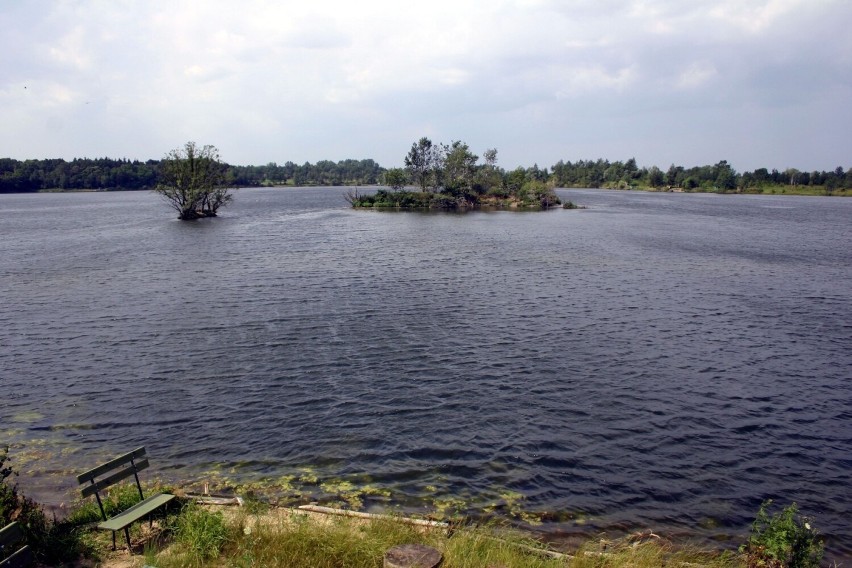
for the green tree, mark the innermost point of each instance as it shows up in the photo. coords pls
(395, 178)
(656, 178)
(459, 165)
(726, 177)
(192, 181)
(489, 176)
(419, 161)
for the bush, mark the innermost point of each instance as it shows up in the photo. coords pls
(51, 542)
(16, 507)
(783, 540)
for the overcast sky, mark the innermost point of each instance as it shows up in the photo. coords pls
(760, 83)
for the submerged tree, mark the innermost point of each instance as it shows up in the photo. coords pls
(192, 180)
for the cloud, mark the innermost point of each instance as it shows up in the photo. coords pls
(696, 75)
(280, 81)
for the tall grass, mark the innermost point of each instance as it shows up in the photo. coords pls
(300, 541)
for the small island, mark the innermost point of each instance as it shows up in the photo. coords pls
(448, 177)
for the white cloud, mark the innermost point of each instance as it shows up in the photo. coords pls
(592, 79)
(756, 16)
(281, 80)
(71, 50)
(697, 75)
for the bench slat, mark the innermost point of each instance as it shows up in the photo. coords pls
(136, 512)
(110, 465)
(23, 557)
(114, 478)
(11, 534)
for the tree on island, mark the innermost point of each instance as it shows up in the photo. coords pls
(420, 162)
(395, 178)
(449, 177)
(192, 181)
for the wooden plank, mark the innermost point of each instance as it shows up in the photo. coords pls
(102, 484)
(360, 515)
(136, 512)
(11, 534)
(22, 558)
(110, 465)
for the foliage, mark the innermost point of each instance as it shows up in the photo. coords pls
(459, 165)
(432, 166)
(395, 178)
(324, 172)
(201, 533)
(51, 542)
(101, 173)
(192, 181)
(15, 507)
(420, 162)
(783, 540)
(535, 193)
(719, 177)
(438, 161)
(450, 178)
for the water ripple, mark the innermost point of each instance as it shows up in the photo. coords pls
(664, 361)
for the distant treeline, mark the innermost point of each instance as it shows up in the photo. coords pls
(720, 177)
(109, 174)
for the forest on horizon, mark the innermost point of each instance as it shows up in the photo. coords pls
(106, 174)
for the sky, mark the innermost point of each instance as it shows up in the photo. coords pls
(759, 83)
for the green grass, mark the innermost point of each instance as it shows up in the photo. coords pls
(291, 539)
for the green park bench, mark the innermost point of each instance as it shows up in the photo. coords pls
(9, 536)
(103, 476)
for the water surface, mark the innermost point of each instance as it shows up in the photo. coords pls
(661, 361)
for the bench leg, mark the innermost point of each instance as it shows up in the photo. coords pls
(113, 540)
(127, 536)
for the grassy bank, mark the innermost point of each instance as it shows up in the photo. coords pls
(283, 537)
(257, 534)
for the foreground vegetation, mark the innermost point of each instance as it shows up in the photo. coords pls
(294, 539)
(190, 535)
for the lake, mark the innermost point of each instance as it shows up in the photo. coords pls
(656, 361)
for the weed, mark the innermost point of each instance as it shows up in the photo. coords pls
(784, 540)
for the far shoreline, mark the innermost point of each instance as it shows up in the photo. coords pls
(782, 190)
